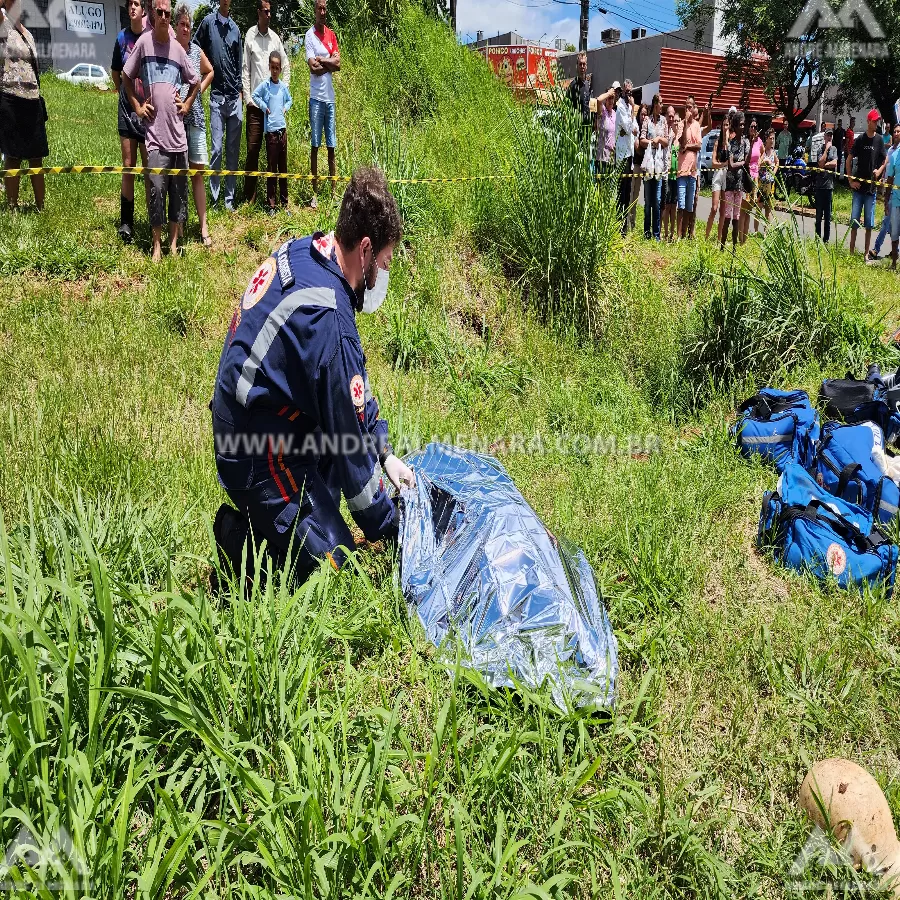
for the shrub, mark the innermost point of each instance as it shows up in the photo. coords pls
(778, 313)
(558, 226)
(409, 343)
(390, 152)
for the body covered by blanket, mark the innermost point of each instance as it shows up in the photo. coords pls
(484, 573)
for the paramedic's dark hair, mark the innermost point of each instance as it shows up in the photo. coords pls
(368, 208)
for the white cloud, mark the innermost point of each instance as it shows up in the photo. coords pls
(534, 19)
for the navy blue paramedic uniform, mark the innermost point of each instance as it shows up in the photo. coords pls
(294, 419)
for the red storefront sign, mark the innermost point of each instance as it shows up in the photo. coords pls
(522, 66)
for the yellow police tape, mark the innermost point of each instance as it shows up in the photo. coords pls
(809, 170)
(295, 176)
(305, 176)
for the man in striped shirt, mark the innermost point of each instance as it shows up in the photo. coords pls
(162, 65)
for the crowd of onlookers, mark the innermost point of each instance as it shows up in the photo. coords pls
(654, 149)
(161, 71)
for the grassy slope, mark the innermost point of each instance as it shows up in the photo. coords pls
(734, 676)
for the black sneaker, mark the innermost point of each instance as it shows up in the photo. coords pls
(230, 529)
(125, 233)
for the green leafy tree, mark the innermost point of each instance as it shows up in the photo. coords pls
(200, 13)
(751, 28)
(873, 72)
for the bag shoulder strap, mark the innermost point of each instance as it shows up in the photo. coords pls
(37, 69)
(762, 407)
(849, 473)
(816, 510)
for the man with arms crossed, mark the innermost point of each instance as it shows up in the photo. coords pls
(162, 65)
(323, 57)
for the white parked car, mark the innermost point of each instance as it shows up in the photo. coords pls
(706, 152)
(87, 74)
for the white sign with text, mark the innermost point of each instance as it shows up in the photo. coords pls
(85, 17)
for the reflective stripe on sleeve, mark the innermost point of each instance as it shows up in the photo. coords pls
(366, 497)
(323, 297)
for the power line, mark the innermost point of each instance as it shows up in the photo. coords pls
(530, 5)
(646, 24)
(659, 28)
(650, 22)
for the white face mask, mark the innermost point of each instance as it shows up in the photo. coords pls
(373, 298)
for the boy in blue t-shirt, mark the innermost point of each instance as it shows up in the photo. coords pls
(274, 99)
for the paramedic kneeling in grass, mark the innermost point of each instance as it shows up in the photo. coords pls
(294, 419)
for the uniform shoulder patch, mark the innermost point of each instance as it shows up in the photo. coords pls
(285, 272)
(358, 391)
(259, 283)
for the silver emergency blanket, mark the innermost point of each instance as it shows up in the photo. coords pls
(487, 578)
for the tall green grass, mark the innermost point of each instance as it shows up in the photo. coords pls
(305, 743)
(240, 747)
(781, 312)
(556, 226)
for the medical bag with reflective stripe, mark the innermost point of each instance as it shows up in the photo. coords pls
(824, 535)
(848, 464)
(779, 426)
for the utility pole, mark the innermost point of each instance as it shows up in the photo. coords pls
(453, 16)
(585, 18)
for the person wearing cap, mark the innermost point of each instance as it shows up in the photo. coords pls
(865, 165)
(825, 160)
(886, 220)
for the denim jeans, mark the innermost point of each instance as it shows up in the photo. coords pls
(322, 120)
(863, 203)
(883, 233)
(687, 188)
(823, 213)
(225, 117)
(652, 199)
(276, 161)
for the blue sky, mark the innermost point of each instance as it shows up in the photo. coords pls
(550, 18)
